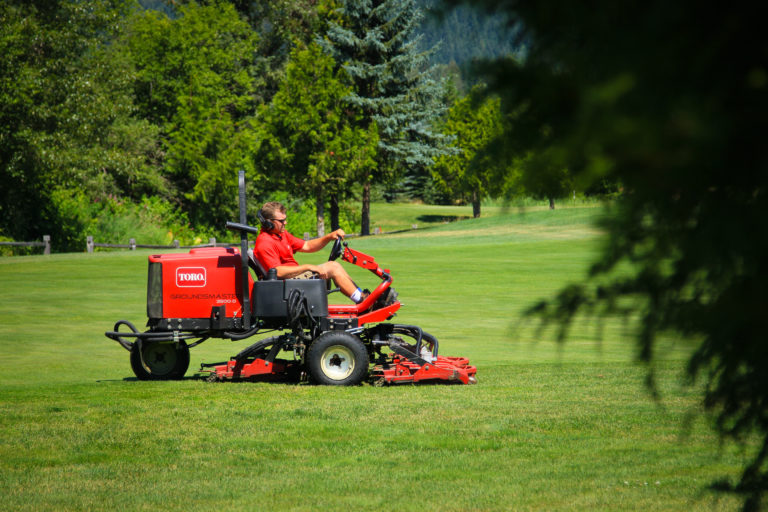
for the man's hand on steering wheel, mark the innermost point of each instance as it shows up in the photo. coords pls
(338, 245)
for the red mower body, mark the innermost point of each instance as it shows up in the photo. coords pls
(188, 286)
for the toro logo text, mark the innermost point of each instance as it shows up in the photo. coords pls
(190, 277)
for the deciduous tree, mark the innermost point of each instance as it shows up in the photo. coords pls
(197, 79)
(472, 174)
(67, 117)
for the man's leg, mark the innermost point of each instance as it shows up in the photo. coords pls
(340, 277)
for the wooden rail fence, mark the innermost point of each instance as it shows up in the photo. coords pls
(132, 245)
(46, 244)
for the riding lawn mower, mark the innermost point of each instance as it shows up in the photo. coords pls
(211, 293)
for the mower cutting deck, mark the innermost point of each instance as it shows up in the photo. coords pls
(210, 293)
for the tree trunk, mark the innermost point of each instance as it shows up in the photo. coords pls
(475, 204)
(365, 222)
(551, 203)
(320, 210)
(334, 212)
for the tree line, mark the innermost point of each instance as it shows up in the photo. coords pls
(116, 115)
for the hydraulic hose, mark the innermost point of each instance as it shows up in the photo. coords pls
(419, 335)
(234, 336)
(298, 305)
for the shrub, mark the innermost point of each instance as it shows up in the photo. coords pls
(115, 220)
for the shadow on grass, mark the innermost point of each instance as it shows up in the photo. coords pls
(436, 219)
(204, 378)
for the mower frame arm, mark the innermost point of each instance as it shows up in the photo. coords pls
(363, 311)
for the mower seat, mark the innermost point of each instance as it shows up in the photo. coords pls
(254, 263)
(263, 275)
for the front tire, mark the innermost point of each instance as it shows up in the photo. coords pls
(159, 361)
(337, 359)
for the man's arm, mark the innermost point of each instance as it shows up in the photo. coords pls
(316, 244)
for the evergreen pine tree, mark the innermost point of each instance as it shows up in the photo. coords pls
(376, 44)
(311, 135)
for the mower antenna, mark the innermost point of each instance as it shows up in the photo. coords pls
(244, 254)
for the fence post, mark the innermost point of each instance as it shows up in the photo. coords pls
(47, 242)
(176, 244)
(212, 241)
(132, 244)
(89, 243)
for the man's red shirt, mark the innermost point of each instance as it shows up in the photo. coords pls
(273, 250)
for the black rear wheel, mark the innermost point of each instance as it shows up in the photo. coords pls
(159, 361)
(337, 359)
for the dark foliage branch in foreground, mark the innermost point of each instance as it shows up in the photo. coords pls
(670, 101)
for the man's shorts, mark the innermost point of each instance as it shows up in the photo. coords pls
(307, 274)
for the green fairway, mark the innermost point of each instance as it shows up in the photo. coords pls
(548, 427)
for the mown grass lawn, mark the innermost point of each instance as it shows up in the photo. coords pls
(549, 427)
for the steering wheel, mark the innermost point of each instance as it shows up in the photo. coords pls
(337, 250)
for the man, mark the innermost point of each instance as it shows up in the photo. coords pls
(275, 248)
